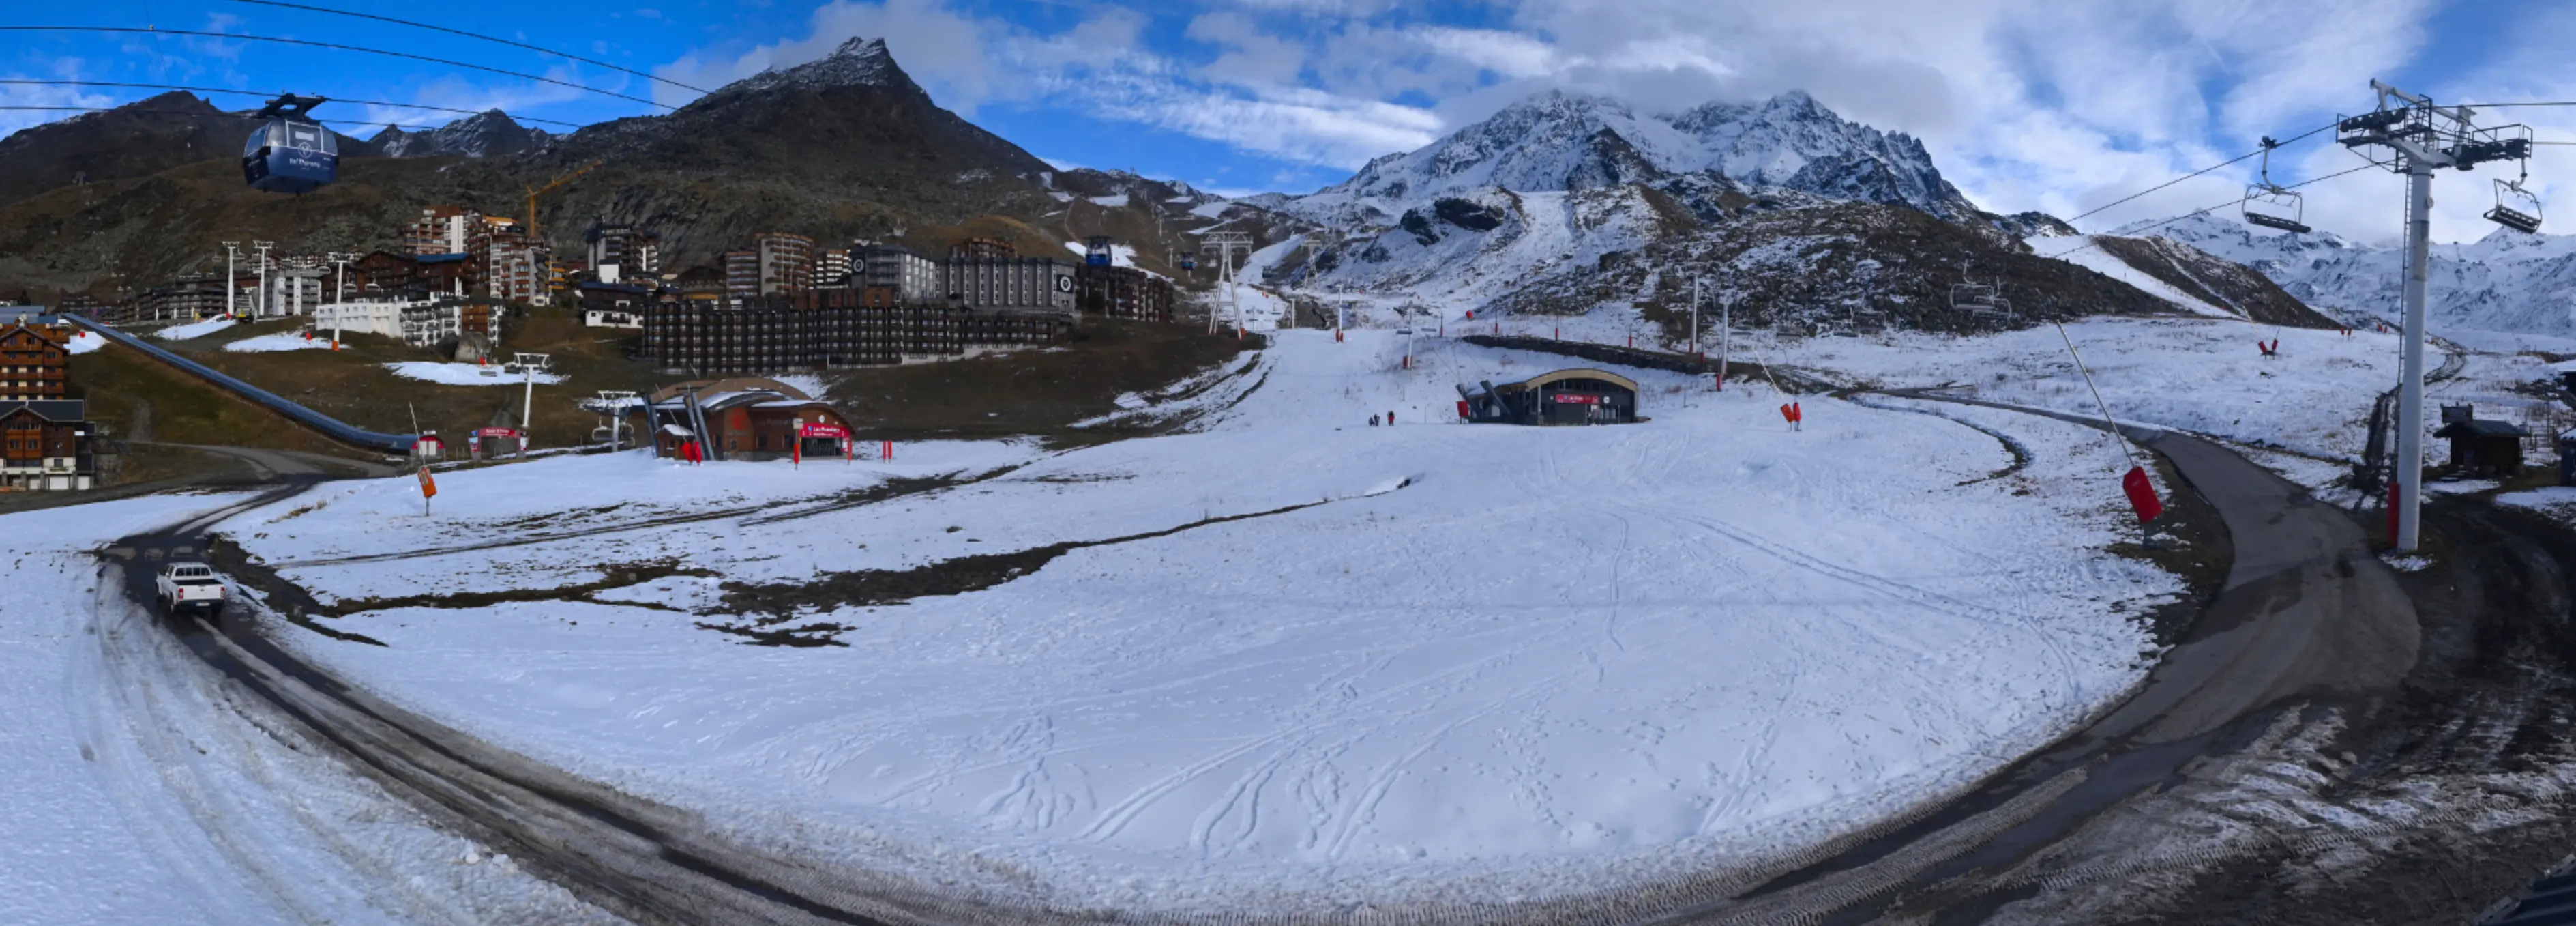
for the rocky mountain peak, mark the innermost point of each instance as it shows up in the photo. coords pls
(1564, 140)
(484, 134)
(859, 62)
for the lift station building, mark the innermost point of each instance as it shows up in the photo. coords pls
(1563, 397)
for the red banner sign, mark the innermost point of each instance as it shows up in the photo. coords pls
(2142, 494)
(826, 430)
(496, 432)
(1576, 398)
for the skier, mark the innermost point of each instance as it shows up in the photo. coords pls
(1372, 421)
(1390, 418)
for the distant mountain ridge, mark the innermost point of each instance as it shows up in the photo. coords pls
(1558, 141)
(1565, 204)
(2508, 281)
(484, 134)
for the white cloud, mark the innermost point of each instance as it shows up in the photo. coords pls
(36, 95)
(2059, 105)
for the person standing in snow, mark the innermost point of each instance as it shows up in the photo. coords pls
(1372, 421)
(1390, 418)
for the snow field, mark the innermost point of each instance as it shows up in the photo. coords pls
(1544, 662)
(141, 789)
(554, 495)
(466, 374)
(280, 341)
(85, 341)
(2200, 375)
(2075, 251)
(193, 330)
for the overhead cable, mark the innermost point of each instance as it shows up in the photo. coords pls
(2233, 160)
(218, 115)
(266, 93)
(470, 35)
(2096, 242)
(337, 47)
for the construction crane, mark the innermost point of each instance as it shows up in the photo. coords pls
(558, 181)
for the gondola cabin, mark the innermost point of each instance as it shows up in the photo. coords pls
(1577, 396)
(290, 153)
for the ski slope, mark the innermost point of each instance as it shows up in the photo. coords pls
(1304, 663)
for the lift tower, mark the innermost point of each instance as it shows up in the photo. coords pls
(1228, 247)
(2410, 135)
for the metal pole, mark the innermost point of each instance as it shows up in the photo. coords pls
(232, 283)
(2410, 396)
(1725, 337)
(528, 405)
(259, 309)
(1694, 316)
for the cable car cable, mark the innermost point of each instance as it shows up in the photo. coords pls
(266, 93)
(2236, 159)
(128, 108)
(337, 47)
(2202, 211)
(471, 35)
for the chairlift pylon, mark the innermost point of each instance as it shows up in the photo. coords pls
(2516, 208)
(2272, 205)
(290, 153)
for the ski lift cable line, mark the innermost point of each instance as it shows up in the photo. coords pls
(195, 33)
(2205, 210)
(472, 35)
(270, 94)
(2234, 160)
(173, 112)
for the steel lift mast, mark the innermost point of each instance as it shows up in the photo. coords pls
(2410, 135)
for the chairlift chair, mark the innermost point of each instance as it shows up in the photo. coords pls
(290, 153)
(1980, 299)
(2272, 205)
(2516, 208)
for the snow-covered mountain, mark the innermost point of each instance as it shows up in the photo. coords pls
(1564, 203)
(2508, 281)
(483, 134)
(1566, 142)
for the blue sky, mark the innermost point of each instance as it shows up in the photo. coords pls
(2057, 105)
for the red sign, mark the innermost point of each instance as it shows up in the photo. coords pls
(428, 486)
(826, 430)
(2142, 494)
(1577, 398)
(1464, 411)
(496, 432)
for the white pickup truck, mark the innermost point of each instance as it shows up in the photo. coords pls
(183, 586)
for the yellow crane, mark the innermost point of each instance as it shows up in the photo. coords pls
(558, 181)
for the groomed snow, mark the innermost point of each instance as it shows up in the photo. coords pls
(1261, 308)
(281, 341)
(1546, 661)
(2078, 251)
(85, 341)
(193, 329)
(465, 374)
